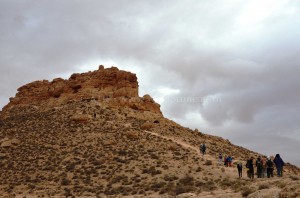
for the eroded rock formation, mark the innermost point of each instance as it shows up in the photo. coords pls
(112, 86)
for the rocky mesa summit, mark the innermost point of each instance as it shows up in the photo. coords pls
(111, 85)
(92, 135)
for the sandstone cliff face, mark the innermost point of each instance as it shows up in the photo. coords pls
(111, 86)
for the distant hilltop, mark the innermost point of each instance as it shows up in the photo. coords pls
(111, 85)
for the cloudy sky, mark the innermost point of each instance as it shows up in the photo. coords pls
(229, 68)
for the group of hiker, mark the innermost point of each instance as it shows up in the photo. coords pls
(227, 160)
(264, 166)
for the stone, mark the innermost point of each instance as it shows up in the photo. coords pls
(146, 126)
(15, 141)
(80, 118)
(6, 144)
(10, 142)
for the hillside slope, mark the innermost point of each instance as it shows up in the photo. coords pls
(115, 145)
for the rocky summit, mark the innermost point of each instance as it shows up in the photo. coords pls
(94, 136)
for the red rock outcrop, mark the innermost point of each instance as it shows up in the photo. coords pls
(113, 86)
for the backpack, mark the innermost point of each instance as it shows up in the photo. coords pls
(249, 164)
(269, 164)
(202, 147)
(240, 165)
(258, 164)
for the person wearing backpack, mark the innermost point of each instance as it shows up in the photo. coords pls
(270, 167)
(203, 149)
(259, 167)
(250, 166)
(226, 161)
(220, 159)
(240, 169)
(230, 159)
(279, 165)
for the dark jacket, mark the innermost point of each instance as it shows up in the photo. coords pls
(259, 163)
(278, 161)
(270, 164)
(239, 166)
(250, 164)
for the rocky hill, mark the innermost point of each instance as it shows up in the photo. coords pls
(93, 136)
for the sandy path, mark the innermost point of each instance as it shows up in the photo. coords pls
(183, 144)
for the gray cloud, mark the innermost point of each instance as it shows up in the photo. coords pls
(218, 66)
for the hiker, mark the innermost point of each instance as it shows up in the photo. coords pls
(250, 166)
(259, 167)
(203, 149)
(220, 159)
(270, 167)
(240, 169)
(264, 167)
(230, 161)
(279, 164)
(226, 161)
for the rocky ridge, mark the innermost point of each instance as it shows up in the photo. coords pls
(87, 144)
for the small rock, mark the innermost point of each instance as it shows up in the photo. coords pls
(146, 126)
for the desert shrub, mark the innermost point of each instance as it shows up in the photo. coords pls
(151, 171)
(205, 178)
(208, 163)
(119, 178)
(225, 183)
(247, 191)
(169, 188)
(65, 182)
(170, 177)
(295, 178)
(154, 156)
(118, 190)
(96, 162)
(263, 186)
(184, 189)
(68, 192)
(186, 181)
(157, 186)
(209, 186)
(172, 147)
(198, 169)
(281, 184)
(117, 159)
(237, 185)
(30, 186)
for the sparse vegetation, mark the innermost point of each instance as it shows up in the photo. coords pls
(65, 182)
(263, 186)
(281, 184)
(208, 163)
(295, 178)
(247, 191)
